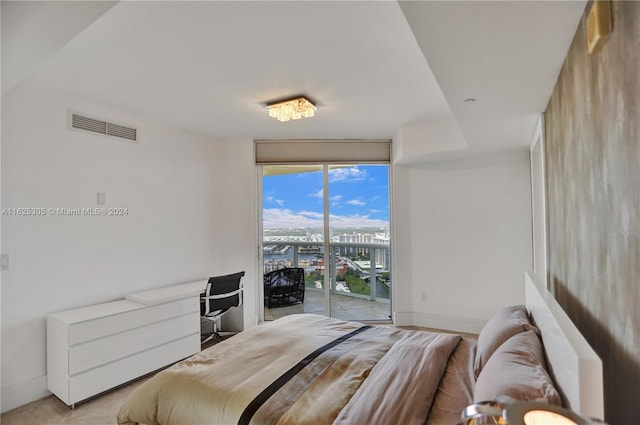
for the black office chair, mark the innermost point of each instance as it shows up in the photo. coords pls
(222, 293)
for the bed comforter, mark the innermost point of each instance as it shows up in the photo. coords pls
(307, 369)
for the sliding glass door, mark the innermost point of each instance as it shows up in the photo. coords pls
(359, 245)
(293, 235)
(332, 221)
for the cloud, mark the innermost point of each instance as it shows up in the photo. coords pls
(347, 174)
(276, 218)
(318, 194)
(342, 221)
(335, 200)
(270, 199)
(273, 218)
(356, 202)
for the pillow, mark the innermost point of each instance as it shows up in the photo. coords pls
(505, 323)
(517, 370)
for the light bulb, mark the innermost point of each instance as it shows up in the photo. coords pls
(544, 417)
(292, 110)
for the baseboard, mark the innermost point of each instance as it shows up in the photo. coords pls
(448, 323)
(250, 321)
(403, 318)
(16, 395)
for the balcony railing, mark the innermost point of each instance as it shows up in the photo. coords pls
(289, 255)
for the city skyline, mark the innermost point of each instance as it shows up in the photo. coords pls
(358, 197)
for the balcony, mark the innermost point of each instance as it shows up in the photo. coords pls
(365, 298)
(343, 307)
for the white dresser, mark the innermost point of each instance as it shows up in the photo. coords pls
(96, 348)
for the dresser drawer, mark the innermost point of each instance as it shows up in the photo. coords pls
(109, 325)
(98, 352)
(100, 379)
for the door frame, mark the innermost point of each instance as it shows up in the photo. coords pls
(539, 206)
(326, 231)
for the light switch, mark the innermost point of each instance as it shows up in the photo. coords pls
(4, 262)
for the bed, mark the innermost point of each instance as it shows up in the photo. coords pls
(310, 369)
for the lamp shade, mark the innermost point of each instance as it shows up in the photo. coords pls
(520, 413)
(538, 413)
(545, 417)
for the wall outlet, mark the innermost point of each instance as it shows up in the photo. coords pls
(102, 198)
(424, 296)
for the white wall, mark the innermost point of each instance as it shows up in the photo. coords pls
(462, 228)
(169, 236)
(463, 239)
(402, 259)
(418, 142)
(236, 224)
(462, 233)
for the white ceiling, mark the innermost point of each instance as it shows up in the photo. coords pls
(32, 31)
(505, 54)
(210, 66)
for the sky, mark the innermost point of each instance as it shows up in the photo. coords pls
(358, 197)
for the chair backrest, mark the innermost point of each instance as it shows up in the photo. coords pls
(292, 276)
(297, 275)
(222, 293)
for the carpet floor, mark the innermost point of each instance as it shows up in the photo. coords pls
(101, 410)
(51, 411)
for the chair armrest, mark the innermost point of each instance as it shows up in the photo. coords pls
(219, 296)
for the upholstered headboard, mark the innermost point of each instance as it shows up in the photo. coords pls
(572, 363)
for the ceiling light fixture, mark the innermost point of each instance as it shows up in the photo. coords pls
(291, 109)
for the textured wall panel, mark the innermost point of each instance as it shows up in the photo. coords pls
(593, 172)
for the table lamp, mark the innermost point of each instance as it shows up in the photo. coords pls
(521, 413)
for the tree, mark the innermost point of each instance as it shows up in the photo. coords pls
(311, 278)
(357, 285)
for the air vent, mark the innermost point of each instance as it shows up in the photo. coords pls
(103, 127)
(121, 131)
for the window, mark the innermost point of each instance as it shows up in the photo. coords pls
(330, 213)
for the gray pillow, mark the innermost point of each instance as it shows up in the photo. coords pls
(505, 323)
(517, 370)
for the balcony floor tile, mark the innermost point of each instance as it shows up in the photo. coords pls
(344, 307)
